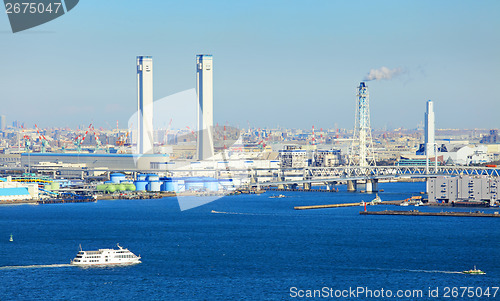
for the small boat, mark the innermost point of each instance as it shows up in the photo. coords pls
(121, 256)
(404, 204)
(277, 196)
(377, 199)
(474, 272)
(11, 238)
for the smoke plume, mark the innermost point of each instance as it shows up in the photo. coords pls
(383, 73)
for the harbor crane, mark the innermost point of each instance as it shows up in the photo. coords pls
(27, 141)
(80, 139)
(43, 140)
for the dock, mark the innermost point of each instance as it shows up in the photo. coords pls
(326, 206)
(301, 189)
(418, 213)
(346, 205)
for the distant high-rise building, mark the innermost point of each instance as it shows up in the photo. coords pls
(493, 137)
(429, 129)
(145, 140)
(3, 122)
(204, 91)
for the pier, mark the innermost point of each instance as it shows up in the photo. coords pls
(346, 205)
(418, 213)
(327, 206)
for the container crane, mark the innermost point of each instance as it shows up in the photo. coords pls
(167, 130)
(27, 142)
(192, 132)
(80, 139)
(43, 140)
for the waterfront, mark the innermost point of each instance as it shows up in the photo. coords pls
(253, 248)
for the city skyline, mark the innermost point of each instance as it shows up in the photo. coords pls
(279, 63)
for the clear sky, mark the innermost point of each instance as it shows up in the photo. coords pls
(292, 63)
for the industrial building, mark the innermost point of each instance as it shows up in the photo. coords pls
(326, 158)
(293, 156)
(17, 191)
(444, 189)
(95, 161)
(466, 154)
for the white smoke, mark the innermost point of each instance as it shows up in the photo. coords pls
(383, 73)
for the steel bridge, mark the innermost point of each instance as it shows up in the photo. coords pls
(369, 175)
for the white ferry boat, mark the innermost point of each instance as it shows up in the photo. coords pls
(106, 257)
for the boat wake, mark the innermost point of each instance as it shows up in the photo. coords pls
(421, 271)
(222, 212)
(34, 266)
(433, 271)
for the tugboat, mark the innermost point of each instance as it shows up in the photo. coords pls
(474, 272)
(106, 257)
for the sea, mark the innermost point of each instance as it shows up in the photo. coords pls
(250, 247)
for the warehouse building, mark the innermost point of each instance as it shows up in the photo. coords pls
(444, 189)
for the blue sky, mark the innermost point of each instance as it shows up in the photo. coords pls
(292, 63)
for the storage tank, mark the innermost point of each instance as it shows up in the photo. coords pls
(154, 186)
(130, 187)
(55, 186)
(167, 185)
(211, 184)
(120, 187)
(194, 183)
(228, 184)
(140, 185)
(141, 177)
(110, 188)
(179, 185)
(152, 178)
(116, 177)
(101, 187)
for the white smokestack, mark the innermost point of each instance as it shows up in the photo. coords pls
(382, 73)
(429, 129)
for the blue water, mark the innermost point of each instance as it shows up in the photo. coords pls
(257, 249)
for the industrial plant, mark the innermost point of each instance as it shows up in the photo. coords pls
(222, 159)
